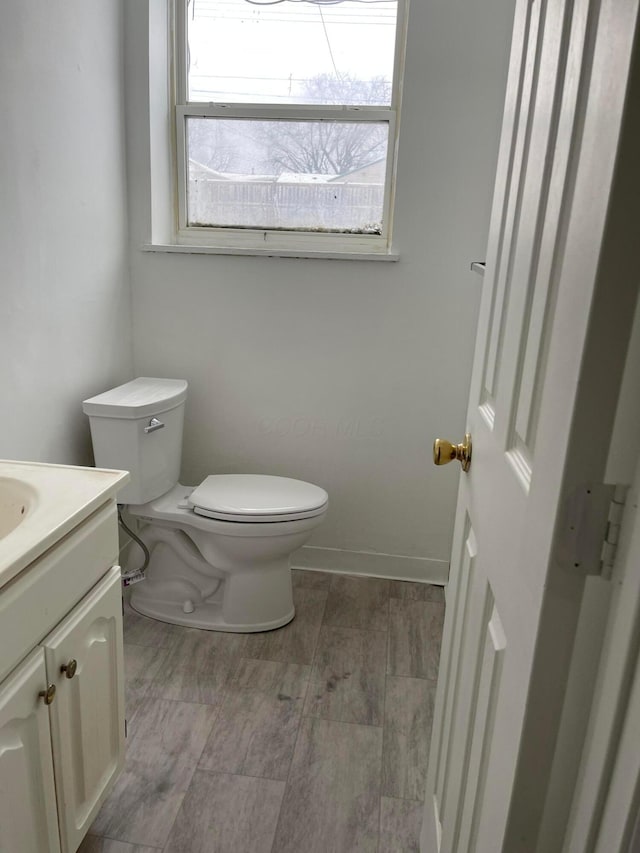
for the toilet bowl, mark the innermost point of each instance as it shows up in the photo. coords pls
(219, 552)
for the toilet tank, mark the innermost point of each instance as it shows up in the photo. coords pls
(138, 427)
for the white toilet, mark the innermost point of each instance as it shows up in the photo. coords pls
(219, 551)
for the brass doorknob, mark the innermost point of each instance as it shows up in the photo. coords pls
(445, 452)
(70, 668)
(49, 694)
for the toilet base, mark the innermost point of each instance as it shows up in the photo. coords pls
(197, 595)
(207, 616)
(218, 580)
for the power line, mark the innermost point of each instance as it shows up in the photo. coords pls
(214, 3)
(292, 100)
(296, 11)
(295, 101)
(326, 35)
(361, 24)
(337, 19)
(299, 9)
(287, 79)
(312, 2)
(195, 90)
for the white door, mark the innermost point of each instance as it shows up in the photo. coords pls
(557, 303)
(28, 819)
(87, 718)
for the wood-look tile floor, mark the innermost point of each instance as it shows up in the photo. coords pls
(309, 739)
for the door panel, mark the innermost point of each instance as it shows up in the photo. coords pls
(520, 88)
(88, 716)
(28, 819)
(473, 795)
(540, 324)
(450, 656)
(478, 609)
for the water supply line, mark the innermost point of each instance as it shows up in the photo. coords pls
(186, 551)
(134, 575)
(181, 545)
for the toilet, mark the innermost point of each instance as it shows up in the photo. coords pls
(220, 550)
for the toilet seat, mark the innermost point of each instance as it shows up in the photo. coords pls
(172, 510)
(257, 498)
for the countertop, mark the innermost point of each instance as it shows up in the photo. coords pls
(59, 498)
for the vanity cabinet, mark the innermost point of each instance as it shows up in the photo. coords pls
(84, 659)
(28, 814)
(62, 727)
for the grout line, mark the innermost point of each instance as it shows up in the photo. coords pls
(233, 671)
(432, 682)
(184, 701)
(342, 722)
(194, 770)
(276, 660)
(302, 717)
(338, 628)
(403, 799)
(353, 627)
(384, 715)
(241, 775)
(119, 841)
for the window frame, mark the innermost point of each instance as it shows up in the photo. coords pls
(267, 240)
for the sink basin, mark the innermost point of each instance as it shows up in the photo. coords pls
(40, 503)
(16, 500)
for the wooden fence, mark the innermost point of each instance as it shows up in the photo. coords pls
(269, 204)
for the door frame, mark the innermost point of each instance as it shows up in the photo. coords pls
(607, 794)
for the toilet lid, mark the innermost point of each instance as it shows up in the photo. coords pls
(257, 497)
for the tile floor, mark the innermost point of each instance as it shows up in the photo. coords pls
(309, 739)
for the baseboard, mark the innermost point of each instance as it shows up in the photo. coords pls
(392, 566)
(339, 561)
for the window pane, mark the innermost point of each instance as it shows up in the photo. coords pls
(312, 52)
(308, 175)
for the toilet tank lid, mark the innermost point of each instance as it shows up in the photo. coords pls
(140, 398)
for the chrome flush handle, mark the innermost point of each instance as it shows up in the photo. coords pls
(153, 425)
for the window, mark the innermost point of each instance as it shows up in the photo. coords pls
(286, 122)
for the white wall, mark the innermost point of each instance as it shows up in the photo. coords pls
(65, 301)
(343, 372)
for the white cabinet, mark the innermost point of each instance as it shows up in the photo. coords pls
(61, 632)
(28, 819)
(87, 714)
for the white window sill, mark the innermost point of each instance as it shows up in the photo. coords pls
(272, 252)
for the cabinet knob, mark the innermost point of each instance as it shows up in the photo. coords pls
(49, 694)
(70, 668)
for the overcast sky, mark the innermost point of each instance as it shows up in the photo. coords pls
(244, 52)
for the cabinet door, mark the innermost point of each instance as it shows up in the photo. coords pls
(87, 718)
(28, 821)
